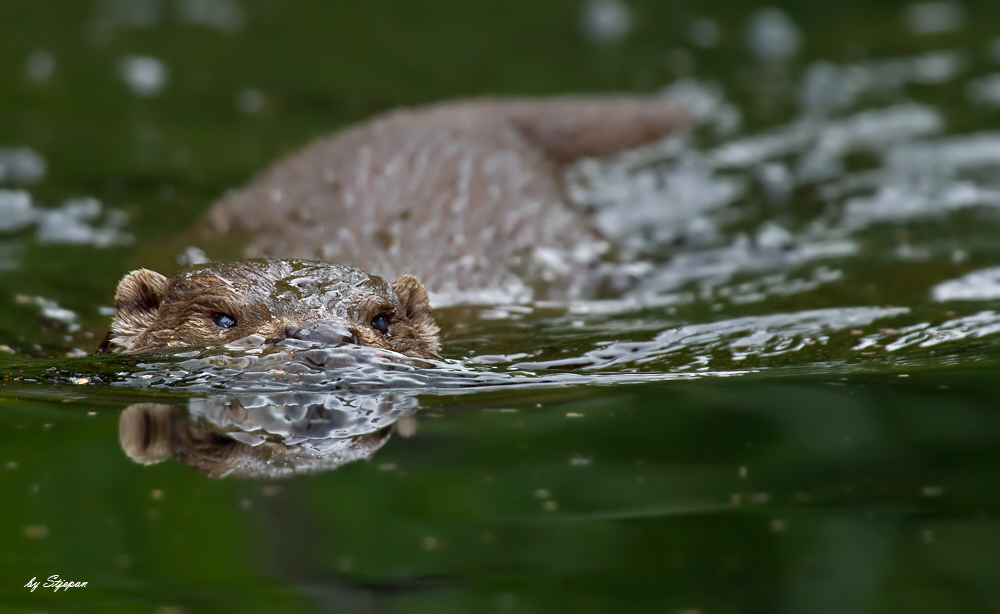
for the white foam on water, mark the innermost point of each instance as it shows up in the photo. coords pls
(871, 130)
(646, 208)
(605, 21)
(982, 285)
(781, 284)
(511, 291)
(704, 101)
(740, 338)
(16, 210)
(73, 223)
(917, 181)
(81, 221)
(945, 156)
(772, 36)
(21, 165)
(879, 129)
(144, 75)
(51, 310)
(930, 67)
(985, 91)
(918, 200)
(827, 87)
(937, 67)
(924, 335)
(773, 143)
(192, 256)
(676, 197)
(714, 267)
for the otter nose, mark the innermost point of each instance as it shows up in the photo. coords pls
(322, 332)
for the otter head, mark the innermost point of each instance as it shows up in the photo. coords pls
(277, 299)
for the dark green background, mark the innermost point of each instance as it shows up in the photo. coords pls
(865, 493)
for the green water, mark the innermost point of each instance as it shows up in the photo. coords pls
(824, 480)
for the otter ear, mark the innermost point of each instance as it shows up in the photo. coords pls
(412, 298)
(137, 301)
(416, 308)
(140, 293)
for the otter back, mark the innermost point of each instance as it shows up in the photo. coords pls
(466, 196)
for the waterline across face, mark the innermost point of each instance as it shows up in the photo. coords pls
(219, 303)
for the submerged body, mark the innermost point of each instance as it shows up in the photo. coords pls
(466, 196)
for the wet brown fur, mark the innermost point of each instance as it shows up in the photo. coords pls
(268, 298)
(459, 194)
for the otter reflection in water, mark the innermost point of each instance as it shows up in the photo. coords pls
(264, 436)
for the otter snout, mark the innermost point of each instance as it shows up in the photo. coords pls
(323, 332)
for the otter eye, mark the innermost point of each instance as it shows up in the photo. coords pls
(381, 324)
(223, 321)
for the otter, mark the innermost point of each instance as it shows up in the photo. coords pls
(219, 303)
(466, 196)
